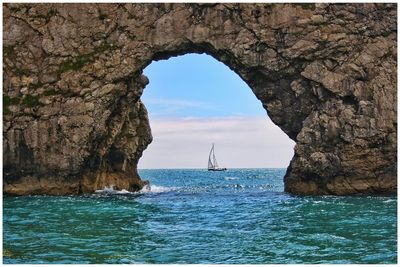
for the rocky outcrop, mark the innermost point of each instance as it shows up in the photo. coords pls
(74, 122)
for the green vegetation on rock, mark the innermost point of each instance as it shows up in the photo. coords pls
(31, 101)
(8, 101)
(102, 16)
(8, 51)
(49, 92)
(78, 62)
(36, 85)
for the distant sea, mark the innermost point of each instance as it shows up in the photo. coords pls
(196, 216)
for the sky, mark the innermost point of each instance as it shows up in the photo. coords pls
(194, 101)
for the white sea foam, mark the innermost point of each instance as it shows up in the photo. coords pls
(231, 178)
(110, 190)
(106, 190)
(156, 189)
(389, 200)
(123, 191)
(146, 189)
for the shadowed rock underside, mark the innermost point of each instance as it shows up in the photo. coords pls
(73, 121)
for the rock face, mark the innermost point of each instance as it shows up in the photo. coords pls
(74, 122)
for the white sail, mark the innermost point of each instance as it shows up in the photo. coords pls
(215, 163)
(210, 163)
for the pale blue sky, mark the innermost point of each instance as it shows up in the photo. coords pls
(194, 101)
(197, 85)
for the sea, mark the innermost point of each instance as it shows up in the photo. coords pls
(192, 216)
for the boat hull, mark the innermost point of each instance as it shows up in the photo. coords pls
(218, 170)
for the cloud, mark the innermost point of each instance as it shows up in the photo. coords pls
(168, 107)
(253, 142)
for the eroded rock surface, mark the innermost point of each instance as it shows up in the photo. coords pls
(74, 122)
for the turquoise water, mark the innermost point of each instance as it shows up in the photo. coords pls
(195, 216)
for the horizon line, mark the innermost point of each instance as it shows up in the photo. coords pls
(189, 168)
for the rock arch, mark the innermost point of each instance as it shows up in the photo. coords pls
(74, 122)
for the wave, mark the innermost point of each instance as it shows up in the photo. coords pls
(231, 178)
(110, 190)
(147, 189)
(390, 200)
(156, 189)
(153, 189)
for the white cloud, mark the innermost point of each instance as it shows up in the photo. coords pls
(166, 106)
(253, 142)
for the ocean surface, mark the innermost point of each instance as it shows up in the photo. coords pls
(196, 216)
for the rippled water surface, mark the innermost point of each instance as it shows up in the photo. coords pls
(195, 216)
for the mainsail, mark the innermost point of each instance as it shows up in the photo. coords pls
(210, 163)
(215, 163)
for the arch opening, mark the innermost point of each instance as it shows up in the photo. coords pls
(194, 100)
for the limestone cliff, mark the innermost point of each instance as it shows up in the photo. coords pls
(74, 122)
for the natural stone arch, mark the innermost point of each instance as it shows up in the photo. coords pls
(74, 121)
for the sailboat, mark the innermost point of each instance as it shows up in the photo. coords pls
(212, 162)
